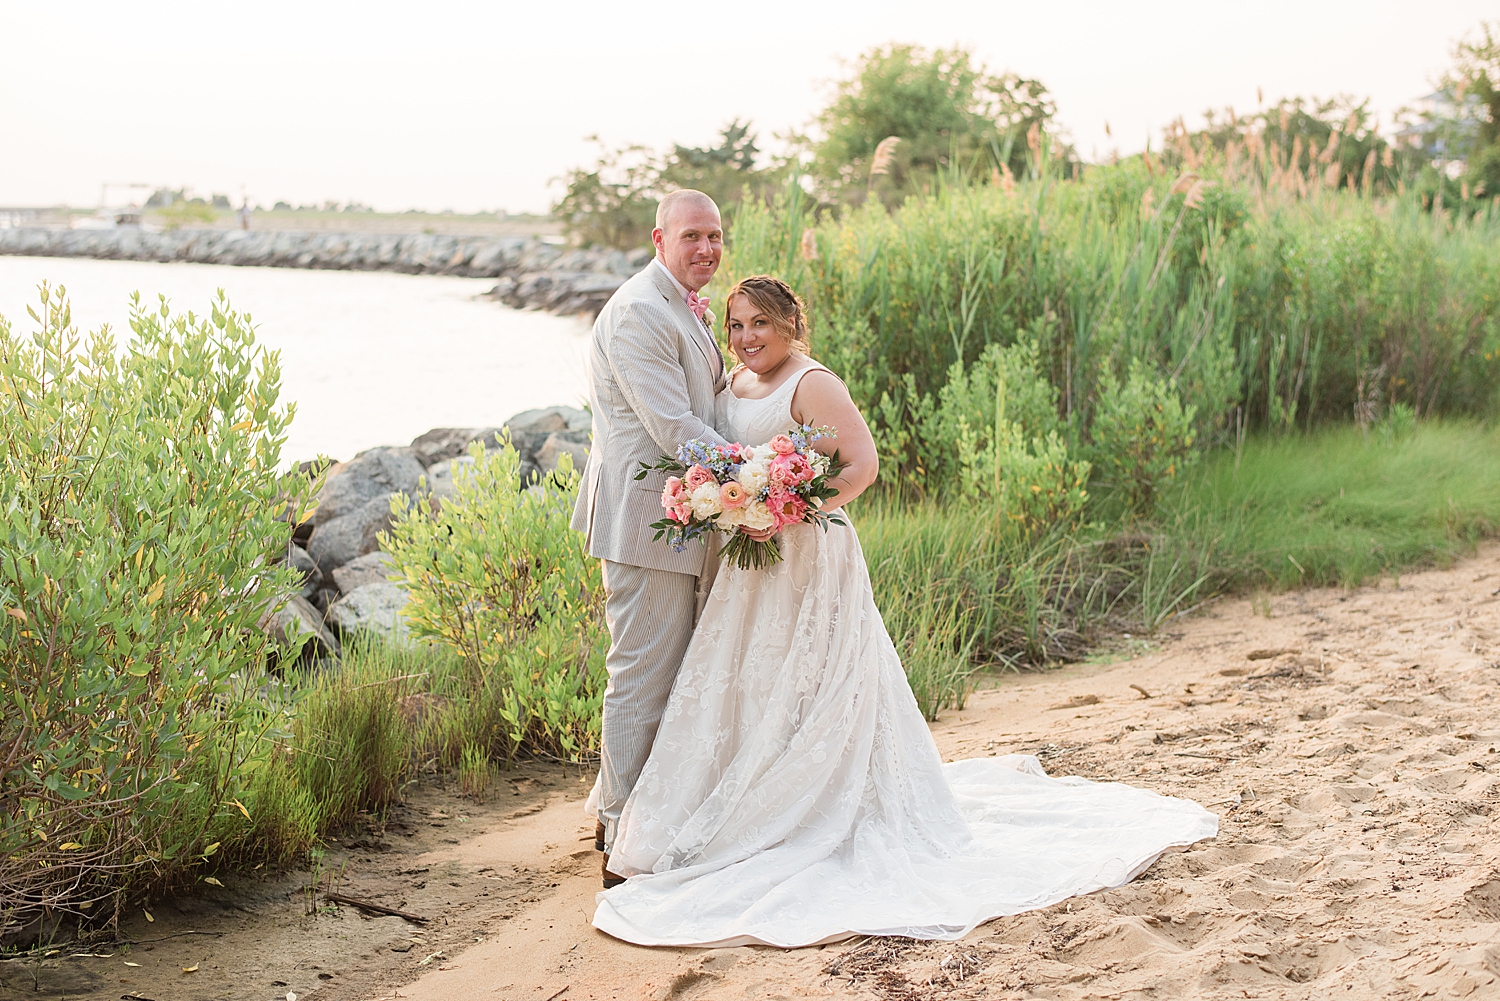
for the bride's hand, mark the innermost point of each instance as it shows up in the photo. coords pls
(760, 536)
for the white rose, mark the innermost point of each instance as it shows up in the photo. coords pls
(731, 518)
(756, 516)
(705, 501)
(753, 476)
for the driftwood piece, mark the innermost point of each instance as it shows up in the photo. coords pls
(365, 905)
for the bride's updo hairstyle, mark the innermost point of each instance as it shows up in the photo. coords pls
(776, 300)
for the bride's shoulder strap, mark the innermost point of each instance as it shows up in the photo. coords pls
(815, 367)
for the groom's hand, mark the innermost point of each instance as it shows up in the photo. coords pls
(760, 536)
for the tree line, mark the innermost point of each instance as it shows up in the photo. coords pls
(906, 120)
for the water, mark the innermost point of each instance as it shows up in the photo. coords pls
(371, 358)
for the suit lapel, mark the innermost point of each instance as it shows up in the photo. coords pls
(702, 336)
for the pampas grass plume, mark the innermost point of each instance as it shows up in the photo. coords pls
(885, 155)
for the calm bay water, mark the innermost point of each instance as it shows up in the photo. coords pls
(371, 358)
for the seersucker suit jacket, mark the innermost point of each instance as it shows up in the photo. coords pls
(654, 372)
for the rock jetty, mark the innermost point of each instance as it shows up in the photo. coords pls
(531, 273)
(345, 590)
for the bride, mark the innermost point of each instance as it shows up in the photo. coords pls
(794, 794)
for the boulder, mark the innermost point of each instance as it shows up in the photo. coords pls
(374, 609)
(299, 560)
(448, 443)
(372, 473)
(530, 429)
(559, 443)
(297, 618)
(440, 478)
(336, 542)
(371, 568)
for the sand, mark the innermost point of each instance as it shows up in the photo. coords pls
(1350, 742)
(1347, 739)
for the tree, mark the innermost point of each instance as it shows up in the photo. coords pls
(1474, 82)
(724, 171)
(1334, 138)
(614, 204)
(948, 111)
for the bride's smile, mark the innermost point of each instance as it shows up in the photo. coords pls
(754, 339)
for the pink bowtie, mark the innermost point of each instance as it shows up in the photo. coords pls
(697, 304)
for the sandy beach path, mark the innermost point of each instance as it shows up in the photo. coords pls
(1347, 739)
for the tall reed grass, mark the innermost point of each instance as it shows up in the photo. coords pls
(1271, 305)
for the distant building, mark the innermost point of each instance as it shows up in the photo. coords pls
(1442, 128)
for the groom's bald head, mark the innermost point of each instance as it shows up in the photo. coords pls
(683, 198)
(689, 237)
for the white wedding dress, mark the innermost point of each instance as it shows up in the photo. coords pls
(794, 794)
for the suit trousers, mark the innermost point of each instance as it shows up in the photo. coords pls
(650, 615)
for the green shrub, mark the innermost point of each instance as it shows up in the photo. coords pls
(497, 575)
(1143, 436)
(1270, 307)
(142, 517)
(1034, 485)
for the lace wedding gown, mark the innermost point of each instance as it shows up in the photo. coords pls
(794, 794)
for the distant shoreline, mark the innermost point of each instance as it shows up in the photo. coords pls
(532, 273)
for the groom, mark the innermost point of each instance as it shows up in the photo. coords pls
(654, 371)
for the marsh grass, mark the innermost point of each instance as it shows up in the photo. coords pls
(1337, 506)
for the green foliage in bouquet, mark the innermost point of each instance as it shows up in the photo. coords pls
(143, 515)
(496, 574)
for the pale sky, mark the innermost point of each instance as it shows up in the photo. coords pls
(478, 106)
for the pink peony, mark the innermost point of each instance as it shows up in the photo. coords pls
(674, 493)
(732, 495)
(681, 513)
(790, 470)
(786, 508)
(697, 476)
(782, 445)
(780, 471)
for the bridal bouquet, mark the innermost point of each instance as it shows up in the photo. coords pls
(732, 487)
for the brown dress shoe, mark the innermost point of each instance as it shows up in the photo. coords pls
(599, 836)
(610, 879)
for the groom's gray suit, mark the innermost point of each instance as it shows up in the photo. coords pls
(654, 373)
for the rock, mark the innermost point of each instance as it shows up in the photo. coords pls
(327, 595)
(372, 473)
(299, 560)
(297, 618)
(374, 609)
(561, 443)
(529, 273)
(448, 443)
(530, 429)
(371, 568)
(345, 538)
(440, 477)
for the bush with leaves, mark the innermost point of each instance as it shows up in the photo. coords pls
(497, 575)
(1142, 435)
(143, 513)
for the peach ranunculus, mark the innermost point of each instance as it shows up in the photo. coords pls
(786, 507)
(697, 476)
(732, 495)
(782, 445)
